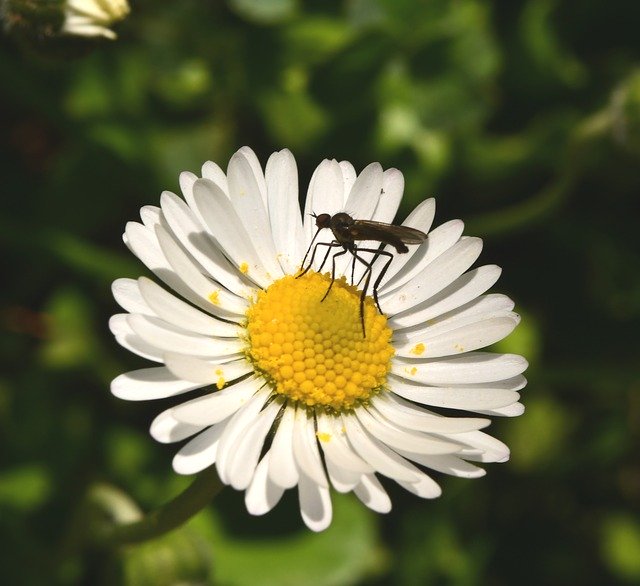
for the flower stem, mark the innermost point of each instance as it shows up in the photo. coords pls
(115, 532)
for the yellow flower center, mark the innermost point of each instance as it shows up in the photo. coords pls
(314, 351)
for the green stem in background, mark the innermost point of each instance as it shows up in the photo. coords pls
(542, 204)
(118, 521)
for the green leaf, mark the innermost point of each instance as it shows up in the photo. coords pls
(71, 340)
(181, 557)
(343, 554)
(265, 11)
(620, 544)
(543, 42)
(316, 39)
(294, 119)
(545, 420)
(25, 487)
(91, 260)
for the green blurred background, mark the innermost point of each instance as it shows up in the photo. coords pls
(521, 117)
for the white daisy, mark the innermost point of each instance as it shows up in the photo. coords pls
(289, 391)
(92, 18)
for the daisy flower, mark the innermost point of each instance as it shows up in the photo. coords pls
(286, 391)
(92, 18)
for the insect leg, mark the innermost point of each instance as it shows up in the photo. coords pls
(378, 253)
(373, 259)
(383, 272)
(306, 254)
(353, 270)
(333, 271)
(329, 246)
(367, 278)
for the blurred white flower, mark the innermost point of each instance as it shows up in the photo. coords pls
(291, 393)
(92, 18)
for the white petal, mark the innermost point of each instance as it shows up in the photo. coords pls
(226, 304)
(437, 242)
(315, 504)
(491, 305)
(262, 494)
(217, 406)
(389, 201)
(365, 193)
(305, 449)
(473, 367)
(405, 414)
(258, 176)
(461, 291)
(468, 398)
(371, 493)
(167, 430)
(187, 180)
(361, 204)
(325, 196)
(284, 209)
(212, 171)
(483, 447)
(282, 464)
(127, 294)
(150, 383)
(170, 338)
(250, 206)
(201, 452)
(197, 241)
(420, 218)
(341, 479)
(335, 446)
(422, 215)
(200, 371)
(465, 338)
(144, 244)
(513, 410)
(128, 339)
(238, 425)
(483, 307)
(84, 27)
(378, 455)
(425, 487)
(229, 232)
(400, 439)
(150, 216)
(243, 459)
(437, 275)
(447, 464)
(349, 177)
(181, 314)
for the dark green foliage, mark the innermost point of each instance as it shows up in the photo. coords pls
(523, 118)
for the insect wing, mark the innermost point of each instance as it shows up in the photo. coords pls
(389, 233)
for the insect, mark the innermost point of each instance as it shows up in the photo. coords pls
(347, 232)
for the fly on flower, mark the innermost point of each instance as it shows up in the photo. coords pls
(289, 393)
(347, 231)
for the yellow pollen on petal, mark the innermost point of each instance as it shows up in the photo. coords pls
(244, 268)
(323, 436)
(220, 382)
(418, 349)
(215, 297)
(314, 352)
